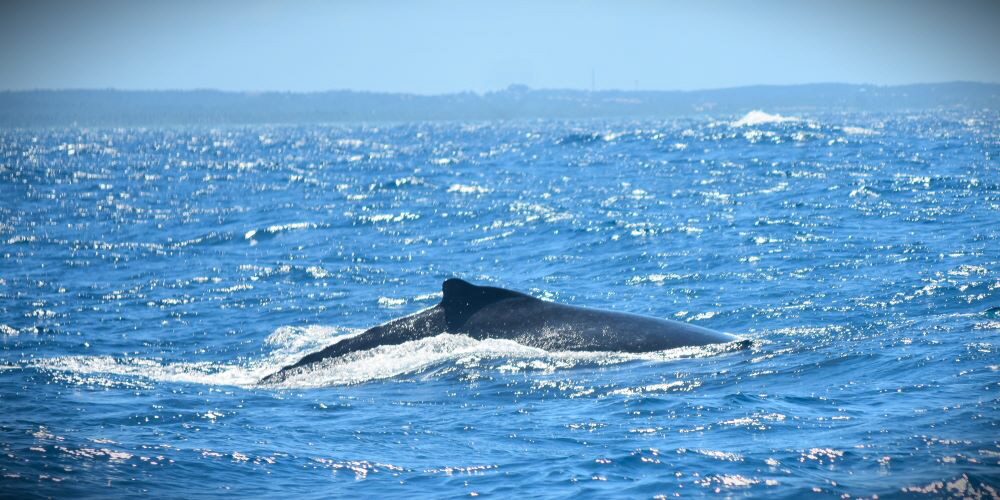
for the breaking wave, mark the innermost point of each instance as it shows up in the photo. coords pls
(758, 117)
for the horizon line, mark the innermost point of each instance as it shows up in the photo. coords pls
(510, 87)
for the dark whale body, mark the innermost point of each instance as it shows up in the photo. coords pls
(484, 312)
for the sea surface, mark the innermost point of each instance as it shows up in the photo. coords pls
(149, 277)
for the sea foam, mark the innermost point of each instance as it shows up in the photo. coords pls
(758, 117)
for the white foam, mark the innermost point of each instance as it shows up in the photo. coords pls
(505, 356)
(393, 360)
(390, 302)
(278, 228)
(468, 189)
(380, 363)
(758, 117)
(291, 344)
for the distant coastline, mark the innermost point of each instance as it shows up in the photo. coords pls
(45, 108)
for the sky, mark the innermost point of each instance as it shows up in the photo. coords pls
(433, 47)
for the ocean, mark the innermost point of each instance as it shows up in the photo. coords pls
(149, 277)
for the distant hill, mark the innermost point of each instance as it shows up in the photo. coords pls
(121, 107)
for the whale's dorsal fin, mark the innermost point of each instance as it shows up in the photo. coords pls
(462, 299)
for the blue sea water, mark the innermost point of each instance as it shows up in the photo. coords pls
(150, 276)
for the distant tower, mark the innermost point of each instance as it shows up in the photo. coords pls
(593, 79)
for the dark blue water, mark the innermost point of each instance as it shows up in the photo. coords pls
(149, 277)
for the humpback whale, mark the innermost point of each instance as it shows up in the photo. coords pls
(486, 312)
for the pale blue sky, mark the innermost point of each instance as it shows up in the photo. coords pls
(450, 46)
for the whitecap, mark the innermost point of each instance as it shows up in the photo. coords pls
(271, 231)
(758, 117)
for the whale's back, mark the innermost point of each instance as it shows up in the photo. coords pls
(489, 312)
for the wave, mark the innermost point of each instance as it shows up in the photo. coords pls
(758, 117)
(429, 356)
(858, 131)
(400, 183)
(266, 233)
(468, 189)
(596, 137)
(580, 138)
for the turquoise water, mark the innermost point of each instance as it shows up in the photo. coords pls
(149, 277)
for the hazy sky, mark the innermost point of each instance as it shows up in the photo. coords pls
(449, 46)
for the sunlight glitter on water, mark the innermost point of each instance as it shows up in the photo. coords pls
(152, 277)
